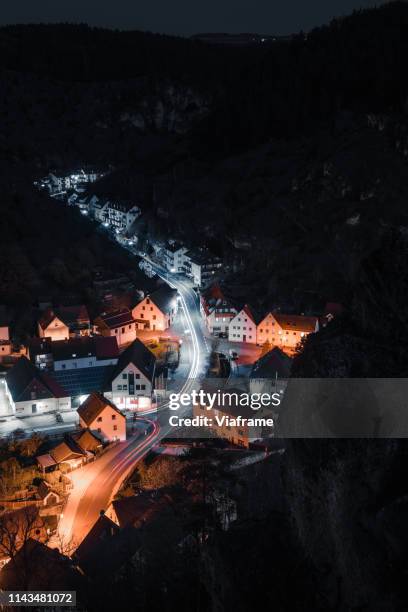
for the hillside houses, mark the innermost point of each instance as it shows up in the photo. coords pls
(285, 331)
(119, 324)
(157, 310)
(73, 354)
(132, 379)
(216, 310)
(245, 325)
(102, 417)
(64, 322)
(33, 392)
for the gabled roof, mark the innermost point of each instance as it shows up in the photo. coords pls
(251, 314)
(72, 315)
(164, 298)
(100, 347)
(86, 440)
(67, 450)
(47, 318)
(24, 378)
(272, 364)
(138, 509)
(92, 407)
(173, 248)
(141, 357)
(115, 319)
(296, 322)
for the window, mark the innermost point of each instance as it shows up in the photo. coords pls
(130, 327)
(142, 315)
(115, 428)
(123, 330)
(137, 375)
(99, 420)
(119, 387)
(154, 317)
(113, 417)
(147, 301)
(137, 387)
(143, 307)
(151, 307)
(33, 395)
(99, 430)
(124, 387)
(116, 331)
(124, 375)
(63, 366)
(142, 387)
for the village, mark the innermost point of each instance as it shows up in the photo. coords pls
(85, 394)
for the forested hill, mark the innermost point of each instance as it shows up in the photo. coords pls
(355, 63)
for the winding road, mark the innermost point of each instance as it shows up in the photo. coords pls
(95, 484)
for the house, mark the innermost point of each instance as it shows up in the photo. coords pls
(5, 344)
(75, 353)
(102, 417)
(243, 327)
(119, 324)
(120, 214)
(270, 373)
(31, 391)
(29, 569)
(173, 257)
(98, 208)
(216, 310)
(137, 510)
(285, 331)
(47, 495)
(72, 451)
(76, 318)
(201, 266)
(133, 377)
(234, 427)
(106, 549)
(158, 310)
(51, 326)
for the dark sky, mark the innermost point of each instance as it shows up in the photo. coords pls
(185, 16)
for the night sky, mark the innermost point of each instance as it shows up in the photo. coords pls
(185, 17)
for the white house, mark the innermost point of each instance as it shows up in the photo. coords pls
(30, 391)
(201, 266)
(216, 310)
(133, 377)
(158, 310)
(242, 327)
(101, 416)
(120, 214)
(173, 257)
(73, 354)
(285, 331)
(119, 324)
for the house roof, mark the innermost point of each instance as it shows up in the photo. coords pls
(273, 363)
(86, 440)
(141, 357)
(116, 318)
(47, 318)
(164, 298)
(106, 548)
(251, 314)
(72, 315)
(98, 346)
(83, 381)
(40, 559)
(45, 461)
(92, 407)
(67, 450)
(45, 489)
(173, 248)
(138, 509)
(24, 377)
(296, 322)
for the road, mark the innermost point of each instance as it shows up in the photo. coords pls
(95, 485)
